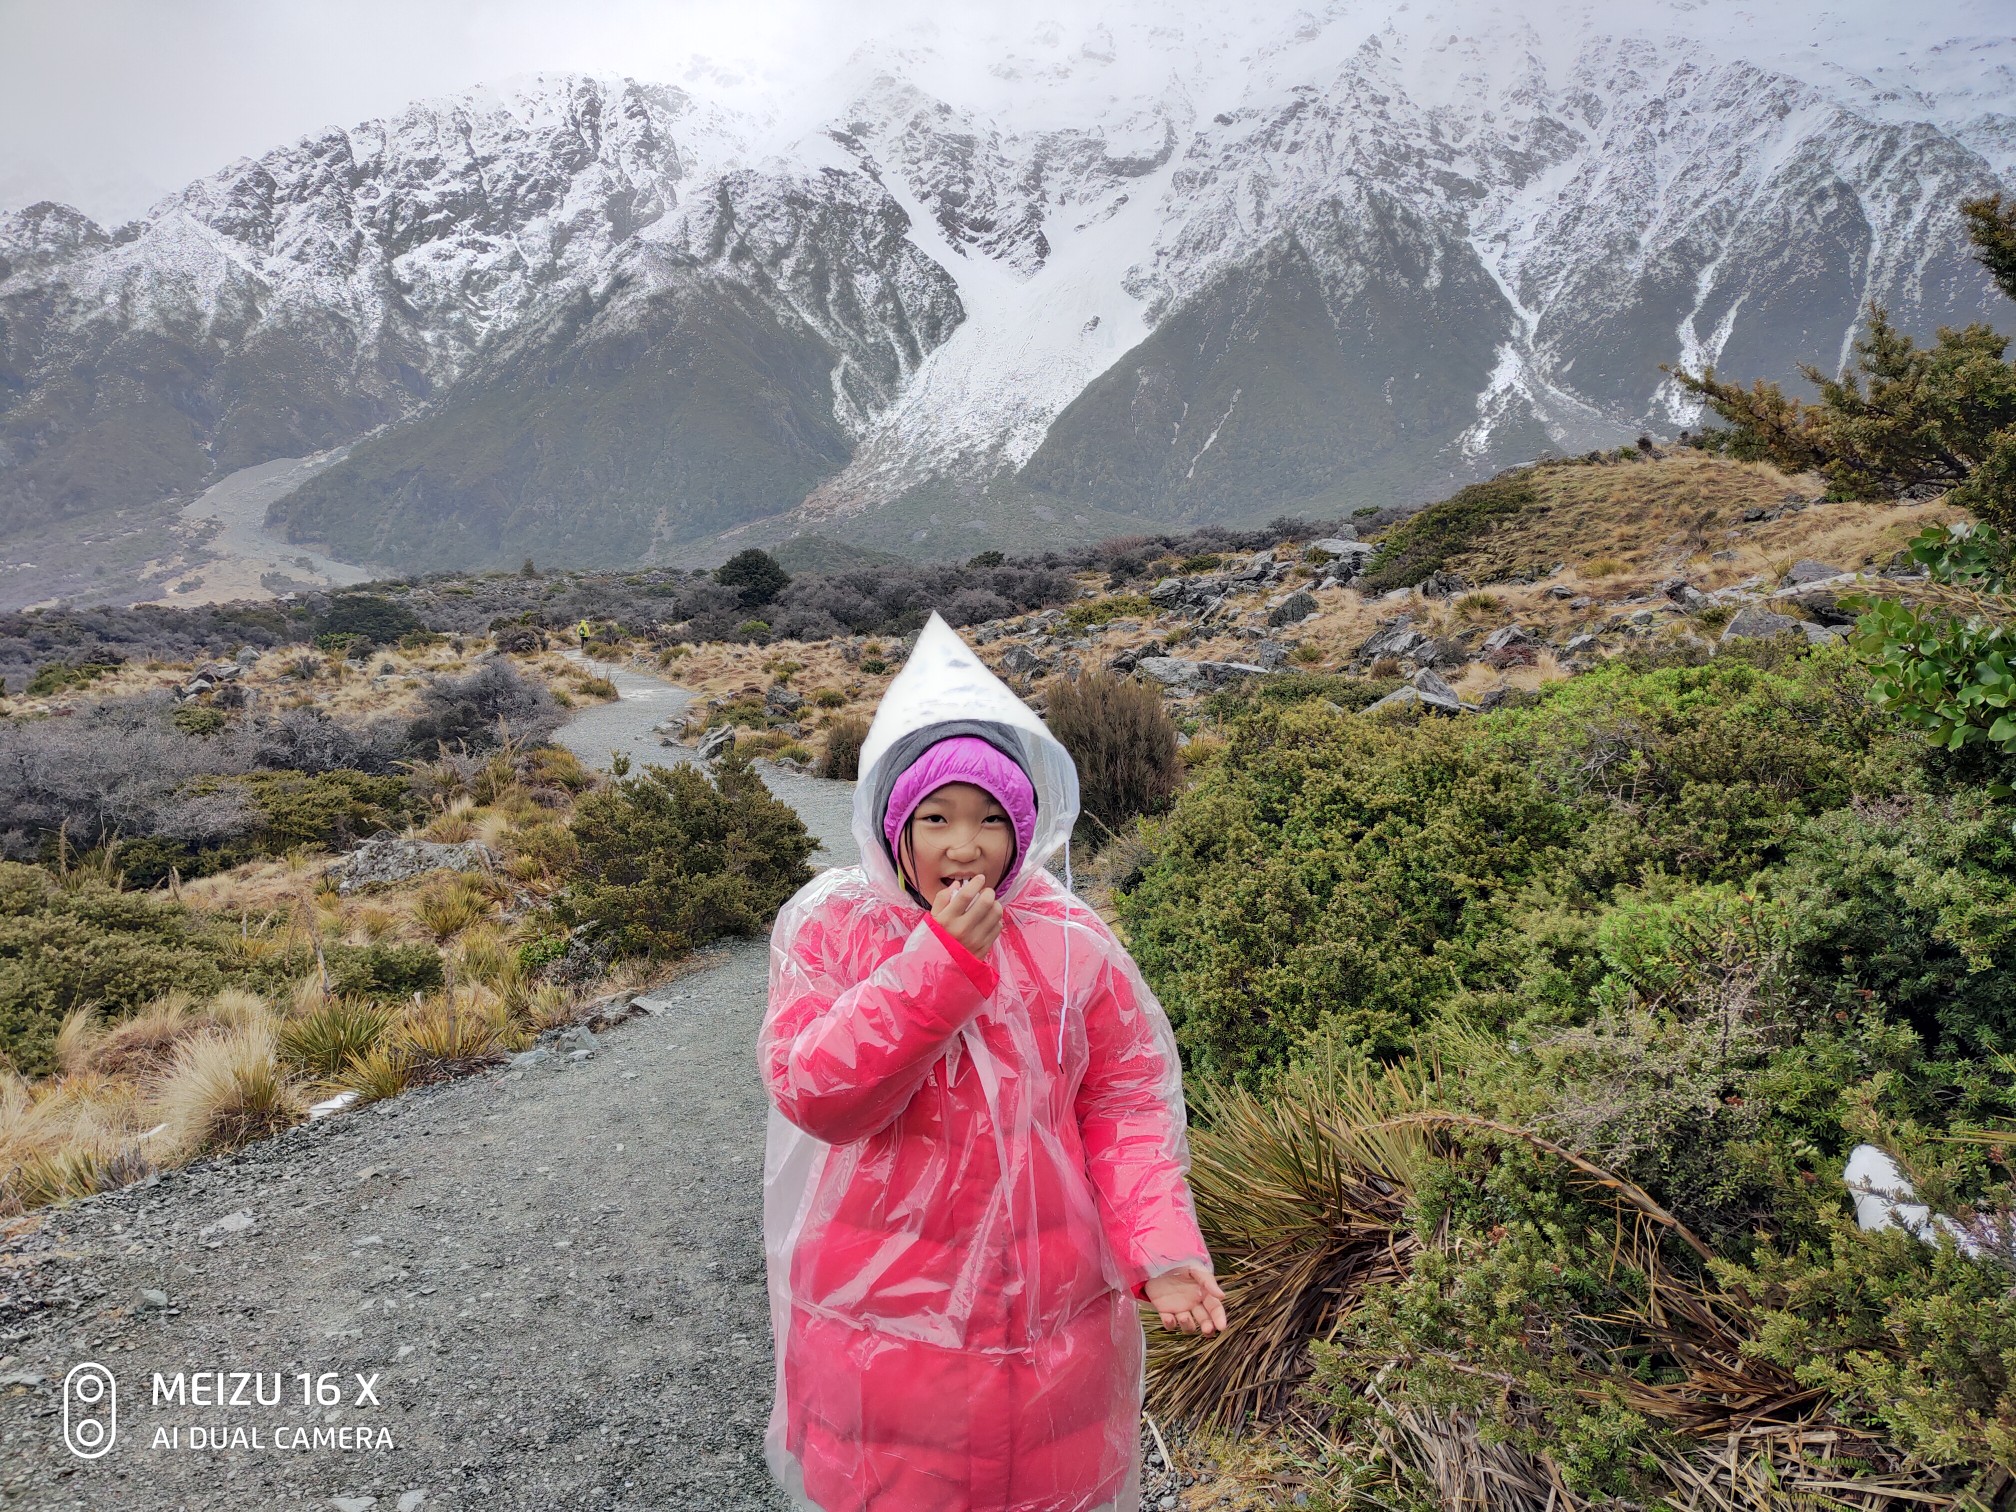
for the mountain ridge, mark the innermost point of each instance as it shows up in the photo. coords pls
(1121, 273)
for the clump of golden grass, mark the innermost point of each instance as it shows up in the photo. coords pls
(226, 1089)
(450, 904)
(67, 1136)
(385, 1070)
(451, 1035)
(1304, 1195)
(482, 956)
(454, 824)
(323, 1041)
(137, 1046)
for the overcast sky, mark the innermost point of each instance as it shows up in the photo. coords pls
(110, 104)
(107, 104)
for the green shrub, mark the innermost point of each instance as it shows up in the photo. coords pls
(841, 757)
(1704, 771)
(1422, 544)
(670, 860)
(383, 972)
(56, 677)
(198, 719)
(366, 617)
(332, 810)
(63, 947)
(1103, 611)
(756, 575)
(1332, 868)
(1347, 693)
(1911, 904)
(1123, 741)
(1206, 561)
(874, 666)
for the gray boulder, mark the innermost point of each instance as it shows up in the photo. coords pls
(1181, 676)
(1683, 592)
(1435, 692)
(1508, 635)
(716, 742)
(386, 857)
(1754, 622)
(781, 700)
(1397, 639)
(1294, 609)
(1020, 660)
(1806, 570)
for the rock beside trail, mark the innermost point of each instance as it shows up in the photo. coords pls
(1753, 622)
(1181, 676)
(386, 857)
(716, 742)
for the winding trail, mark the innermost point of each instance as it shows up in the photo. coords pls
(552, 1277)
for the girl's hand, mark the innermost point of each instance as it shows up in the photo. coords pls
(1189, 1300)
(971, 914)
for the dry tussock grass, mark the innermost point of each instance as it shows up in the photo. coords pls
(1622, 529)
(226, 1089)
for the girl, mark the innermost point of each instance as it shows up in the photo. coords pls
(976, 1159)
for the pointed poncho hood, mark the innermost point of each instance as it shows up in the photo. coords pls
(942, 691)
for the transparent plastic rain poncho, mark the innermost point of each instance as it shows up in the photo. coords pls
(964, 1190)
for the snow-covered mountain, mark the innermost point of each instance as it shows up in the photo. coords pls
(991, 291)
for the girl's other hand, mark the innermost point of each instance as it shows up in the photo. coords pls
(1189, 1300)
(971, 914)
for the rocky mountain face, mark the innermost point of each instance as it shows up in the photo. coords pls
(1153, 272)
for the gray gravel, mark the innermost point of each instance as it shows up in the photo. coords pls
(552, 1277)
(556, 1273)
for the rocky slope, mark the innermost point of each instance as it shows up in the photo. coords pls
(1156, 269)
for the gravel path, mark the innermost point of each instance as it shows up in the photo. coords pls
(555, 1276)
(549, 1280)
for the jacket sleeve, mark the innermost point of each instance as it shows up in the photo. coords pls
(1130, 1120)
(842, 1057)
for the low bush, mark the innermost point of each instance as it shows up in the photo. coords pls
(1423, 544)
(1124, 743)
(670, 860)
(59, 677)
(89, 945)
(840, 757)
(1103, 611)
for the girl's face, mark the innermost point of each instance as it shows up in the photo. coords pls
(958, 831)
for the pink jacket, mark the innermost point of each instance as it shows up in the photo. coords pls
(957, 1326)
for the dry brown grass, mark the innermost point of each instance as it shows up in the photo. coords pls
(222, 1090)
(1626, 527)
